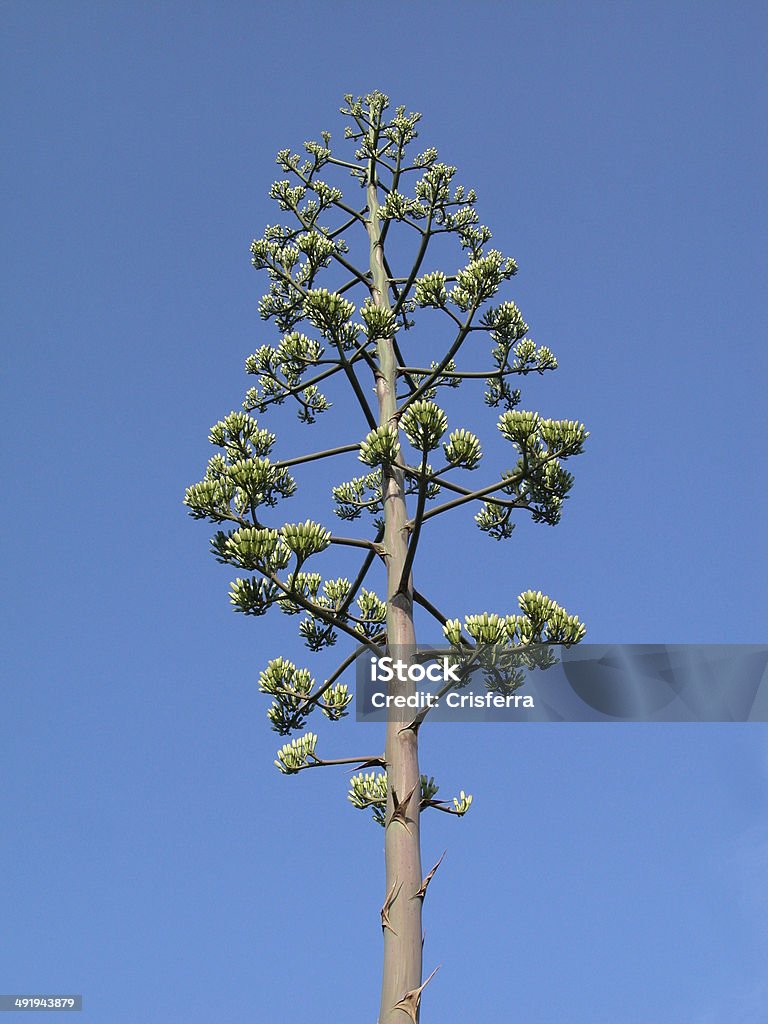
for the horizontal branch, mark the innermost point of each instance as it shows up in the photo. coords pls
(359, 542)
(440, 805)
(376, 761)
(284, 464)
(462, 375)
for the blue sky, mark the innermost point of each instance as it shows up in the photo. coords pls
(152, 858)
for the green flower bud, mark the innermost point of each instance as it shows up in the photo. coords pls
(305, 539)
(424, 424)
(380, 446)
(463, 449)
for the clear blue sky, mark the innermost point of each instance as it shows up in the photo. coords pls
(152, 859)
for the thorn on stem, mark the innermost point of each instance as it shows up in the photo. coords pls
(422, 892)
(392, 895)
(400, 812)
(409, 1004)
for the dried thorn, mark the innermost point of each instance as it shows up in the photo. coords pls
(391, 897)
(409, 1004)
(400, 812)
(432, 803)
(422, 892)
(373, 762)
(413, 726)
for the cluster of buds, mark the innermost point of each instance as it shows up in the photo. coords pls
(543, 621)
(327, 311)
(369, 790)
(380, 447)
(373, 616)
(463, 449)
(424, 424)
(297, 754)
(379, 321)
(305, 539)
(360, 493)
(481, 279)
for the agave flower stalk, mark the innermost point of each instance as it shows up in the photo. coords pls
(352, 333)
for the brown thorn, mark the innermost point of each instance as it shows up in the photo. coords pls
(422, 892)
(409, 1004)
(400, 812)
(391, 897)
(373, 762)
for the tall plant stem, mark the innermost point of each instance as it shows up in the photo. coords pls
(402, 846)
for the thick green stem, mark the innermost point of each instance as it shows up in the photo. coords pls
(402, 847)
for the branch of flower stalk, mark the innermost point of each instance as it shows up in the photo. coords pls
(346, 364)
(457, 320)
(395, 183)
(336, 674)
(438, 371)
(402, 587)
(419, 598)
(345, 287)
(284, 464)
(294, 391)
(364, 568)
(513, 478)
(412, 224)
(345, 225)
(280, 691)
(438, 478)
(474, 375)
(361, 277)
(359, 542)
(343, 163)
(356, 387)
(369, 359)
(472, 496)
(398, 355)
(419, 717)
(440, 805)
(364, 126)
(396, 348)
(362, 505)
(318, 611)
(254, 517)
(335, 202)
(426, 235)
(449, 279)
(376, 761)
(380, 154)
